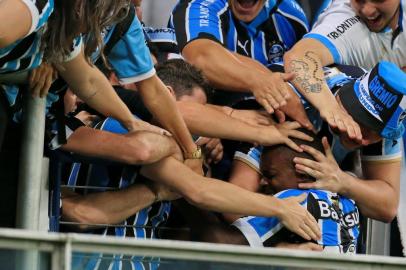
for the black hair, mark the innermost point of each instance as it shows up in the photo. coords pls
(288, 153)
(182, 77)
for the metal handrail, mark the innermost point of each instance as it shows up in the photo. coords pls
(61, 246)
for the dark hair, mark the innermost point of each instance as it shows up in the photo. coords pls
(289, 153)
(72, 17)
(182, 77)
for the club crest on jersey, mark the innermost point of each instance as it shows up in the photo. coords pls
(275, 53)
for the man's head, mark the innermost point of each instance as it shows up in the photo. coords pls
(246, 10)
(278, 168)
(377, 102)
(184, 81)
(377, 14)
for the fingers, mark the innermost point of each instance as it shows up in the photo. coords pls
(315, 153)
(288, 76)
(309, 171)
(327, 148)
(313, 185)
(267, 106)
(293, 145)
(312, 227)
(301, 198)
(48, 82)
(300, 135)
(280, 116)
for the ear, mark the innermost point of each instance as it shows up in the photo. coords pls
(171, 90)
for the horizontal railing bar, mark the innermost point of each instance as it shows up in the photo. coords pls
(198, 251)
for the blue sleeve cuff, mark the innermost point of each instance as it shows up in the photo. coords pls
(329, 45)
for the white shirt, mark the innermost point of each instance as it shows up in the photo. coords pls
(351, 42)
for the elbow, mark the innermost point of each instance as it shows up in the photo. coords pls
(388, 214)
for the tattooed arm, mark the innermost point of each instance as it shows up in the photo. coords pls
(306, 60)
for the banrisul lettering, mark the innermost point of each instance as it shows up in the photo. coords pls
(344, 26)
(204, 13)
(384, 96)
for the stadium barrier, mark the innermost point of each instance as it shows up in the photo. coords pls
(61, 246)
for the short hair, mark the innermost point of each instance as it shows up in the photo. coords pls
(289, 153)
(182, 77)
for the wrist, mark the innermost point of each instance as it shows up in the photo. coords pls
(346, 179)
(196, 153)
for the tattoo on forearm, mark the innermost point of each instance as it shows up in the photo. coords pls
(308, 80)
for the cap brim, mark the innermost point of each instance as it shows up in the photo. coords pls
(357, 111)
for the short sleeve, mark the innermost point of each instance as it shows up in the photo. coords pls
(384, 151)
(250, 156)
(339, 29)
(40, 11)
(198, 19)
(130, 56)
(76, 49)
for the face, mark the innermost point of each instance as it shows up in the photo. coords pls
(246, 10)
(279, 172)
(197, 95)
(377, 14)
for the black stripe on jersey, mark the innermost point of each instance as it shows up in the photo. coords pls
(19, 50)
(299, 29)
(179, 22)
(225, 25)
(24, 63)
(40, 4)
(243, 45)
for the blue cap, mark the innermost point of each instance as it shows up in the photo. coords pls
(377, 100)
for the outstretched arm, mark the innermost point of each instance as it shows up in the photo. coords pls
(88, 83)
(306, 60)
(226, 71)
(159, 102)
(223, 197)
(111, 207)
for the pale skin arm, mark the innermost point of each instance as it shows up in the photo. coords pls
(306, 60)
(206, 121)
(377, 195)
(159, 102)
(15, 20)
(226, 71)
(245, 177)
(91, 86)
(111, 207)
(215, 195)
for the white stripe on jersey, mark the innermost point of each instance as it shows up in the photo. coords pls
(221, 12)
(275, 23)
(248, 231)
(264, 45)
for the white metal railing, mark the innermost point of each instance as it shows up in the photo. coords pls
(61, 246)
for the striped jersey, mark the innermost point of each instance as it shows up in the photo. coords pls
(278, 26)
(25, 54)
(337, 216)
(144, 224)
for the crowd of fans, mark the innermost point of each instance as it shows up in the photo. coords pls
(241, 121)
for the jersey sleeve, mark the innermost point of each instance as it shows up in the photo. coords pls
(198, 19)
(292, 23)
(40, 11)
(249, 155)
(130, 57)
(340, 30)
(384, 151)
(76, 49)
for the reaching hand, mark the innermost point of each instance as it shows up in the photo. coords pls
(279, 134)
(295, 110)
(298, 220)
(40, 79)
(339, 119)
(139, 125)
(271, 90)
(212, 149)
(325, 169)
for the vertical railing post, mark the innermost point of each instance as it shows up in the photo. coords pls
(29, 180)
